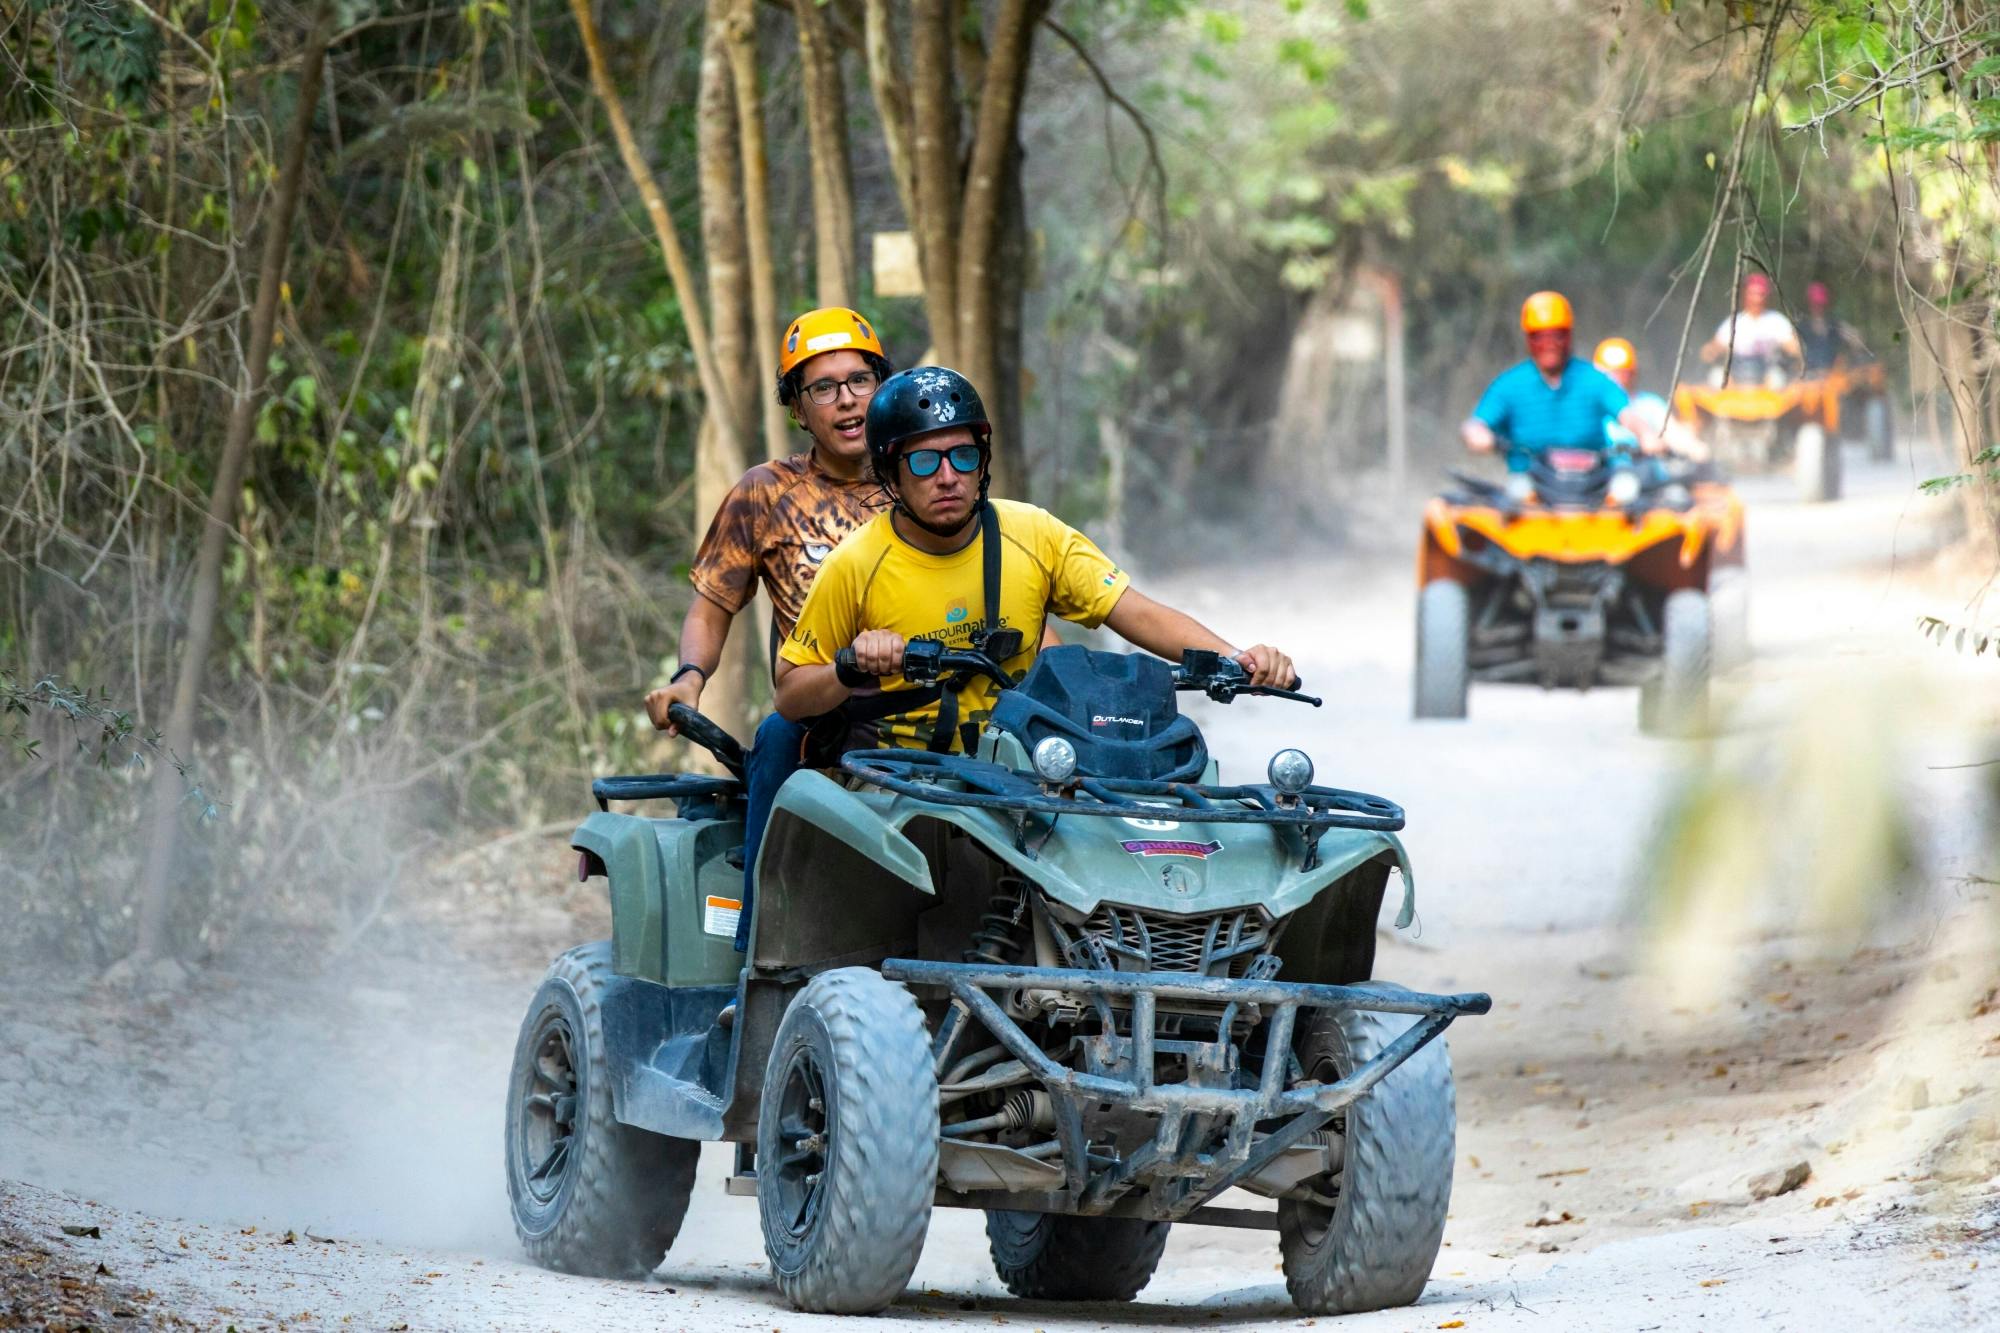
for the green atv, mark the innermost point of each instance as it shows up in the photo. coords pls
(1043, 981)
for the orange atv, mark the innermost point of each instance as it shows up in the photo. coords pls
(1861, 410)
(1758, 428)
(1592, 577)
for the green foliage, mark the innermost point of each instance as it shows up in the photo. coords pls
(105, 736)
(1959, 638)
(115, 45)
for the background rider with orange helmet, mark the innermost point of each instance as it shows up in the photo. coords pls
(1619, 359)
(1552, 400)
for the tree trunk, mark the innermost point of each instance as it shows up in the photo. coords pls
(720, 455)
(715, 387)
(1967, 386)
(934, 159)
(730, 695)
(995, 157)
(892, 102)
(970, 42)
(740, 36)
(156, 879)
(825, 92)
(725, 246)
(1010, 475)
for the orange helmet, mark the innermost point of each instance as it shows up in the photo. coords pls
(1615, 354)
(1546, 310)
(827, 329)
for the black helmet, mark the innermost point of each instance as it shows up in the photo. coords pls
(915, 402)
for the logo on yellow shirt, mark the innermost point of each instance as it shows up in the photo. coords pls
(956, 611)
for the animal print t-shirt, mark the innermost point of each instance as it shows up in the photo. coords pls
(778, 524)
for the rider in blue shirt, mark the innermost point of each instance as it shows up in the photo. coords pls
(1552, 400)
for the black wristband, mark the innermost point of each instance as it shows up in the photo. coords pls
(854, 678)
(686, 667)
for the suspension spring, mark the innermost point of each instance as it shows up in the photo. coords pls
(999, 935)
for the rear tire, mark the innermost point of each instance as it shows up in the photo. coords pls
(1676, 703)
(1374, 1247)
(1444, 611)
(590, 1195)
(1816, 457)
(1051, 1257)
(847, 1143)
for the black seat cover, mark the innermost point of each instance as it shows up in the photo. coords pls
(1117, 709)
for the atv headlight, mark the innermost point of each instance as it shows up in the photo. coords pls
(1055, 759)
(1624, 487)
(1291, 772)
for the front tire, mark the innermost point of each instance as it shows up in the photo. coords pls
(847, 1143)
(1444, 678)
(590, 1195)
(1816, 457)
(1729, 611)
(1369, 1241)
(1676, 703)
(1051, 1257)
(1879, 420)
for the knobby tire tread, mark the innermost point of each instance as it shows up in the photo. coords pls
(1075, 1258)
(628, 1195)
(882, 1176)
(1395, 1180)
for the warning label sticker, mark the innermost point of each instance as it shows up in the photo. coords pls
(719, 916)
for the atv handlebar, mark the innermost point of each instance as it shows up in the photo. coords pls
(1223, 678)
(704, 732)
(1220, 678)
(926, 660)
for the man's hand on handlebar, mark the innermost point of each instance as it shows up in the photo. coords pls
(686, 690)
(879, 652)
(1268, 666)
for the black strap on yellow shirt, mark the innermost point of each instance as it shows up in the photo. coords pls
(890, 703)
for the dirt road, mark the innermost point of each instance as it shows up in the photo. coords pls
(322, 1149)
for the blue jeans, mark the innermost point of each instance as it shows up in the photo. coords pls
(774, 756)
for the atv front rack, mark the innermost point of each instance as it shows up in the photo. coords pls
(1173, 1177)
(989, 786)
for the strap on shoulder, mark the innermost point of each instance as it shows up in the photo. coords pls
(989, 559)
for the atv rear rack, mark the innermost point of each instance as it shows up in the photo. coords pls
(1178, 1178)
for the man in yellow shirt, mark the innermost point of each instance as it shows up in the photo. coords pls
(918, 571)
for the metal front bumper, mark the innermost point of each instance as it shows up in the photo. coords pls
(1182, 1177)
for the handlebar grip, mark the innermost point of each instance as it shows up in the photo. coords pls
(848, 674)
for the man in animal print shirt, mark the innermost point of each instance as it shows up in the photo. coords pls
(775, 527)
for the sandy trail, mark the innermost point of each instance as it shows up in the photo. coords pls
(359, 1108)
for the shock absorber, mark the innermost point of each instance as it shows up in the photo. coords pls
(999, 934)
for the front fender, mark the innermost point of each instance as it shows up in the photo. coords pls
(627, 848)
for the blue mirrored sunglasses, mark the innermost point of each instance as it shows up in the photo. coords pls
(965, 459)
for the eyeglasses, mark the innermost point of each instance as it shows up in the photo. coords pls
(965, 459)
(861, 384)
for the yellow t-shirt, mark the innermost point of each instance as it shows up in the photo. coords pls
(876, 580)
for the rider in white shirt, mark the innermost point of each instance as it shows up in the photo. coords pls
(1763, 340)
